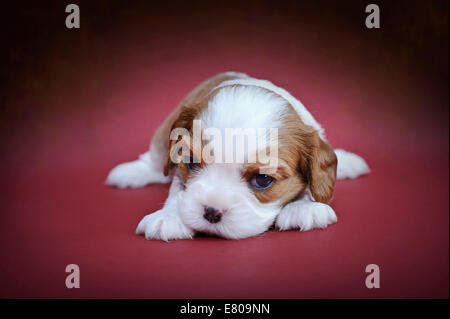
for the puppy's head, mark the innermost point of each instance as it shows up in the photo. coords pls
(238, 199)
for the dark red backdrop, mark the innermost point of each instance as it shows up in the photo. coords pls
(77, 102)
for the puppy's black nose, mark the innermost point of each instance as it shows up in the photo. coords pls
(212, 215)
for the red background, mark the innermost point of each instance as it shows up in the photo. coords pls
(77, 102)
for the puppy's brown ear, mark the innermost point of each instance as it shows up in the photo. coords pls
(184, 120)
(322, 170)
(169, 164)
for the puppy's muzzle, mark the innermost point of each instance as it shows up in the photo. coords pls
(212, 215)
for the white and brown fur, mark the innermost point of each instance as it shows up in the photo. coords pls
(304, 178)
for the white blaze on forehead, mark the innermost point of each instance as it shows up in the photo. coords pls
(244, 119)
(301, 110)
(244, 107)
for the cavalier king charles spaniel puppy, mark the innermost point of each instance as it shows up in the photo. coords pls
(238, 193)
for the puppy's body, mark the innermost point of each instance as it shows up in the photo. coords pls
(223, 198)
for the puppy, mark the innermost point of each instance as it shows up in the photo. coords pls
(234, 198)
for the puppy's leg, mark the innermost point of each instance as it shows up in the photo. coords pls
(350, 165)
(305, 214)
(166, 224)
(147, 169)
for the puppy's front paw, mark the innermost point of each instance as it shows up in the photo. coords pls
(305, 215)
(164, 225)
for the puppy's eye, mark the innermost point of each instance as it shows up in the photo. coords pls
(261, 181)
(192, 166)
